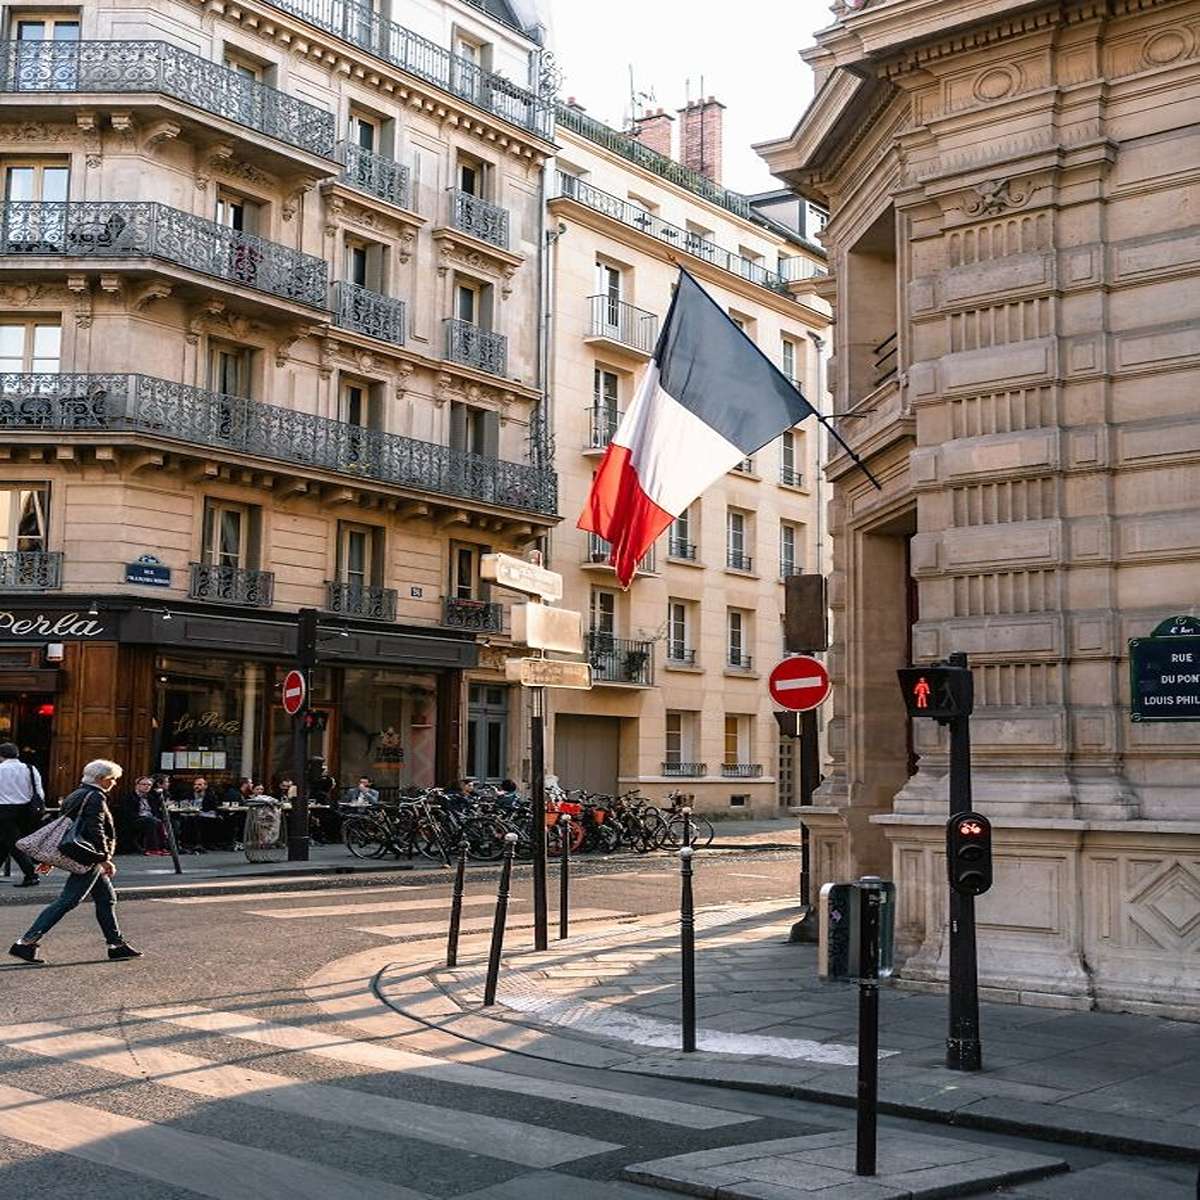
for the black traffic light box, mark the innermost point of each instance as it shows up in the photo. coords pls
(306, 637)
(939, 691)
(969, 853)
(315, 720)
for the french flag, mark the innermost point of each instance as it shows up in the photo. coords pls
(709, 398)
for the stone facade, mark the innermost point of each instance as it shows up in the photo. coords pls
(1014, 271)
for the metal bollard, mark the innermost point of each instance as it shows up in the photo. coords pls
(564, 878)
(456, 903)
(687, 944)
(493, 971)
(687, 826)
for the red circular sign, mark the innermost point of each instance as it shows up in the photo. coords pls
(799, 683)
(293, 693)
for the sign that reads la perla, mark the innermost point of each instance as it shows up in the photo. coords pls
(30, 625)
(1164, 672)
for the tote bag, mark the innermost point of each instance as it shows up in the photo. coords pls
(42, 845)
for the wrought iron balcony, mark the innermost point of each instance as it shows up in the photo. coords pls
(169, 410)
(364, 311)
(574, 188)
(243, 586)
(599, 552)
(677, 548)
(790, 477)
(479, 616)
(123, 67)
(472, 346)
(618, 660)
(737, 661)
(143, 229)
(361, 600)
(741, 770)
(361, 26)
(602, 425)
(679, 655)
(735, 560)
(685, 770)
(620, 322)
(30, 570)
(487, 222)
(375, 174)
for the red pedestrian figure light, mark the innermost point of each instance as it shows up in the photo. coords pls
(921, 691)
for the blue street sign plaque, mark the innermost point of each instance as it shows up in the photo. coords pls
(148, 571)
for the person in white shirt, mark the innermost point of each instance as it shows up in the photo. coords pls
(20, 794)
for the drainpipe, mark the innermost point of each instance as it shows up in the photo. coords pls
(819, 482)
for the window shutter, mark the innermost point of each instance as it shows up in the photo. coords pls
(491, 434)
(458, 426)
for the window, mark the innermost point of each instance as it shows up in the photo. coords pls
(735, 740)
(604, 614)
(606, 399)
(739, 638)
(791, 549)
(679, 540)
(472, 50)
(355, 404)
(788, 359)
(679, 739)
(48, 27)
(789, 473)
(364, 132)
(229, 369)
(745, 467)
(226, 534)
(736, 540)
(235, 212)
(363, 264)
(474, 430)
(678, 649)
(698, 240)
(29, 346)
(247, 67)
(472, 175)
(23, 513)
(357, 560)
(38, 180)
(609, 287)
(465, 583)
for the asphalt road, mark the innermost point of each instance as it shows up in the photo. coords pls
(100, 1094)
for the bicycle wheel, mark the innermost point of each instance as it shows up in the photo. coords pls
(485, 838)
(702, 832)
(364, 837)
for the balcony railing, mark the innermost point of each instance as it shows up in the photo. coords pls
(364, 311)
(143, 229)
(885, 360)
(685, 770)
(361, 600)
(175, 411)
(790, 477)
(30, 570)
(680, 656)
(232, 585)
(375, 174)
(618, 660)
(574, 188)
(745, 467)
(599, 552)
(620, 322)
(472, 346)
(123, 67)
(676, 548)
(366, 29)
(479, 616)
(741, 770)
(735, 560)
(738, 661)
(602, 425)
(789, 567)
(487, 222)
(796, 267)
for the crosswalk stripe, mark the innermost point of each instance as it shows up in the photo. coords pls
(196, 1162)
(255, 897)
(337, 910)
(495, 1137)
(476, 924)
(380, 1057)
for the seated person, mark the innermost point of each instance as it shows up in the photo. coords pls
(146, 816)
(361, 794)
(238, 794)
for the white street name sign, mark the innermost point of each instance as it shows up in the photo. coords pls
(521, 576)
(544, 628)
(549, 672)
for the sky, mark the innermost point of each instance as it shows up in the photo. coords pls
(747, 55)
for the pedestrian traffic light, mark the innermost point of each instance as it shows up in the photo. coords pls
(315, 720)
(306, 637)
(938, 691)
(969, 853)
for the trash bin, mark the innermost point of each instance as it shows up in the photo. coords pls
(265, 838)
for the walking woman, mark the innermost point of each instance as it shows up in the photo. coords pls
(91, 800)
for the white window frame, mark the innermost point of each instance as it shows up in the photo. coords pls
(679, 623)
(31, 361)
(38, 500)
(348, 534)
(214, 512)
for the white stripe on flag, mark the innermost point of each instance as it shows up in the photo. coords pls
(791, 685)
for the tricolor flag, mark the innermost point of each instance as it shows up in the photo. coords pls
(709, 398)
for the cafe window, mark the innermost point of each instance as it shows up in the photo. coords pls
(30, 346)
(229, 534)
(36, 179)
(23, 518)
(388, 729)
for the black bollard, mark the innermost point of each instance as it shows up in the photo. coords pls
(687, 826)
(493, 971)
(456, 902)
(687, 940)
(564, 878)
(870, 899)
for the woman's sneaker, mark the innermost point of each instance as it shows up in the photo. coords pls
(26, 953)
(124, 950)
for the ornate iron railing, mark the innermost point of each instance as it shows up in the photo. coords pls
(485, 221)
(30, 570)
(677, 548)
(735, 560)
(145, 66)
(479, 616)
(599, 552)
(574, 188)
(739, 661)
(361, 600)
(620, 322)
(679, 655)
(165, 409)
(602, 425)
(790, 477)
(232, 585)
(143, 229)
(741, 770)
(365, 311)
(472, 346)
(375, 174)
(366, 29)
(685, 770)
(618, 660)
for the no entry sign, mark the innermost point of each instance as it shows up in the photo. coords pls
(293, 693)
(799, 683)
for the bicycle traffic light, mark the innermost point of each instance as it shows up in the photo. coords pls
(969, 853)
(938, 691)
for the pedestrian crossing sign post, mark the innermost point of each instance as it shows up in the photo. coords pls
(941, 691)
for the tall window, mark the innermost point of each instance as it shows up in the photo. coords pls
(788, 359)
(23, 518)
(229, 369)
(739, 638)
(466, 303)
(464, 572)
(609, 287)
(363, 264)
(472, 176)
(679, 540)
(734, 733)
(235, 212)
(604, 614)
(678, 738)
(364, 131)
(606, 399)
(791, 549)
(355, 404)
(677, 631)
(474, 430)
(789, 473)
(37, 180)
(226, 534)
(736, 540)
(358, 554)
(29, 346)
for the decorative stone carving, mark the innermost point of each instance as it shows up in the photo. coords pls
(81, 289)
(38, 132)
(404, 371)
(213, 157)
(995, 83)
(159, 133)
(283, 346)
(86, 122)
(145, 294)
(1167, 46)
(995, 196)
(404, 248)
(199, 317)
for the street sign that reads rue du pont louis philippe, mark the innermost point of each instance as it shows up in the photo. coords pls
(1164, 672)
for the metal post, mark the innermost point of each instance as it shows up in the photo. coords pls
(687, 825)
(456, 903)
(298, 824)
(564, 877)
(493, 971)
(537, 762)
(868, 1029)
(963, 1048)
(172, 841)
(687, 946)
(810, 780)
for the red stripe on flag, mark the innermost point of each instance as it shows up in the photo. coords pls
(619, 511)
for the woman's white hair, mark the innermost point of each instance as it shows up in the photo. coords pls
(101, 768)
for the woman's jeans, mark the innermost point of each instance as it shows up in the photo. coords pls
(76, 890)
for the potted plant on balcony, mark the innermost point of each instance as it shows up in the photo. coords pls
(635, 663)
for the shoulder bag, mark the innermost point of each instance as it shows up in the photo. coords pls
(42, 845)
(75, 844)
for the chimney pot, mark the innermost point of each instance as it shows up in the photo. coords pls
(653, 130)
(700, 137)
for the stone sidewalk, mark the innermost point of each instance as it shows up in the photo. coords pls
(610, 999)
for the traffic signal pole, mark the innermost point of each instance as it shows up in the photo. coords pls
(306, 660)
